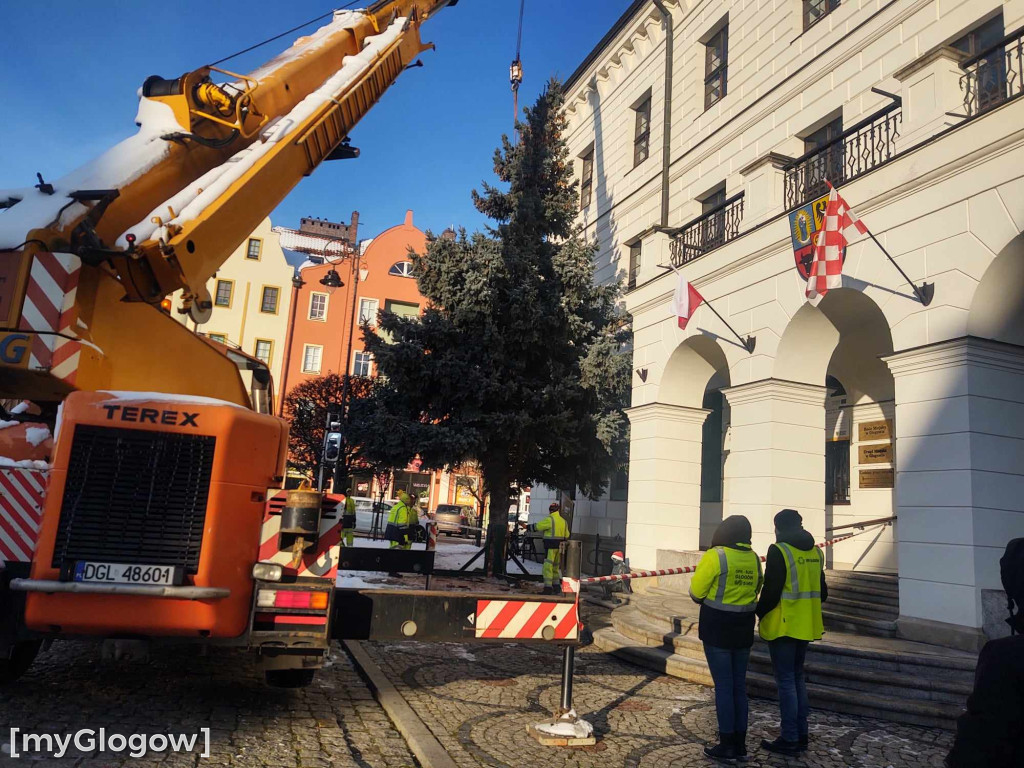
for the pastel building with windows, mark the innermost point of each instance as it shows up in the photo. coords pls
(703, 135)
(251, 301)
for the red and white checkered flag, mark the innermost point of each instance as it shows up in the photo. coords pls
(826, 270)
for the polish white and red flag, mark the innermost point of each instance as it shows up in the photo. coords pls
(826, 270)
(685, 301)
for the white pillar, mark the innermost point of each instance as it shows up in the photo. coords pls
(664, 481)
(776, 455)
(959, 484)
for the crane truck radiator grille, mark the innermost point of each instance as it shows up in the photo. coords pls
(133, 496)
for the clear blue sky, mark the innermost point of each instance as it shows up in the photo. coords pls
(72, 69)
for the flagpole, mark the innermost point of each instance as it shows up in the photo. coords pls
(748, 343)
(925, 292)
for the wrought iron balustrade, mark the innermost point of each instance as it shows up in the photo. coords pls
(994, 76)
(854, 152)
(707, 232)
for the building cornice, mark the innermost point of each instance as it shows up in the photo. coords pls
(666, 412)
(776, 389)
(955, 353)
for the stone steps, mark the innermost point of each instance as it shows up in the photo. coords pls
(861, 624)
(877, 676)
(866, 608)
(824, 665)
(926, 714)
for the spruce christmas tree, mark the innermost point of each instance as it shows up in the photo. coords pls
(520, 361)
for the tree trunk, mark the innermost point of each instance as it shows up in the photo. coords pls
(497, 481)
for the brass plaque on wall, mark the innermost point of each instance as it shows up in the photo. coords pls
(875, 454)
(876, 478)
(874, 430)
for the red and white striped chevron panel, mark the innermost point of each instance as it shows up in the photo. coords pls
(526, 620)
(49, 309)
(22, 492)
(321, 560)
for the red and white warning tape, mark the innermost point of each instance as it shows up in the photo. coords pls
(689, 568)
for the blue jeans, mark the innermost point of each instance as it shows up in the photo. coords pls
(788, 664)
(729, 671)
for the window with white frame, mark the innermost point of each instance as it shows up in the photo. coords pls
(587, 178)
(311, 356)
(368, 312)
(716, 65)
(264, 349)
(361, 364)
(401, 269)
(318, 306)
(642, 132)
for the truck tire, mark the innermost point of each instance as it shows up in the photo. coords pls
(22, 656)
(289, 678)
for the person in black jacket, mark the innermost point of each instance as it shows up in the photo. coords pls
(725, 584)
(789, 627)
(990, 734)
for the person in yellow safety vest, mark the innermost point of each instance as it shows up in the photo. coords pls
(401, 516)
(348, 519)
(555, 530)
(790, 614)
(726, 584)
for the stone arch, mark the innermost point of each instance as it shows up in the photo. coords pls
(689, 371)
(997, 309)
(845, 336)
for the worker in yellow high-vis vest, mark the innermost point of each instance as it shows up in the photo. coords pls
(726, 584)
(348, 519)
(790, 614)
(400, 518)
(555, 530)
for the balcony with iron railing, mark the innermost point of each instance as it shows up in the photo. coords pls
(854, 152)
(707, 232)
(994, 76)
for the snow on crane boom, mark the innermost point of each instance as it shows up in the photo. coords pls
(163, 209)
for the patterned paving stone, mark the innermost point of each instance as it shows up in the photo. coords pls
(478, 700)
(333, 723)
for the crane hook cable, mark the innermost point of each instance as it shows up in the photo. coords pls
(286, 32)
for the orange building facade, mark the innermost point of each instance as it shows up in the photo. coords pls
(325, 333)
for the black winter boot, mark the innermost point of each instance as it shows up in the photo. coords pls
(739, 741)
(724, 749)
(804, 742)
(781, 747)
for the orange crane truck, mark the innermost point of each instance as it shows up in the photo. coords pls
(156, 515)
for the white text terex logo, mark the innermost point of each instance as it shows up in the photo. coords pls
(151, 416)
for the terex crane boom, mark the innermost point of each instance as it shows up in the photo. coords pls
(154, 518)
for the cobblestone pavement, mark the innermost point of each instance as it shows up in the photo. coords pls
(334, 722)
(478, 701)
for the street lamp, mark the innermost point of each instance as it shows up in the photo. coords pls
(331, 280)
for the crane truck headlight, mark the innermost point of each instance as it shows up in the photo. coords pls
(267, 572)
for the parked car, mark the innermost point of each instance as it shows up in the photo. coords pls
(451, 519)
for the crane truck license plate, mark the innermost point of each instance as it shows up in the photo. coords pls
(119, 573)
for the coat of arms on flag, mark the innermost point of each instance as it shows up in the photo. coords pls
(804, 224)
(826, 271)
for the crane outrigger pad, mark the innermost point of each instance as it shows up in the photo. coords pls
(443, 616)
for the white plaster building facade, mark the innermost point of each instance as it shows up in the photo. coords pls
(697, 128)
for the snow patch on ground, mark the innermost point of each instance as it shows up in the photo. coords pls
(114, 169)
(208, 188)
(35, 435)
(20, 407)
(6, 424)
